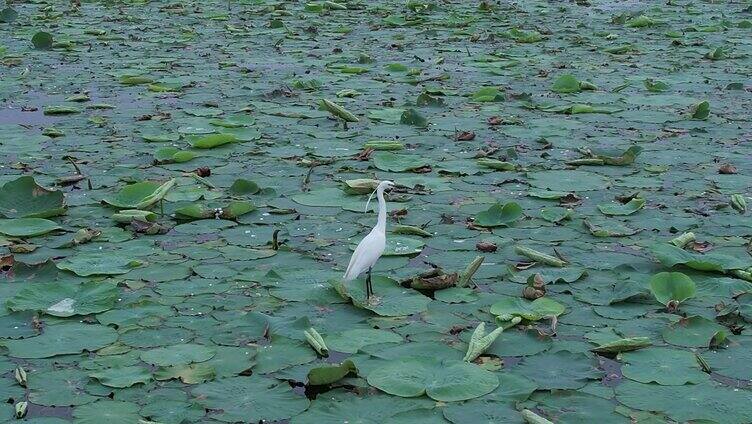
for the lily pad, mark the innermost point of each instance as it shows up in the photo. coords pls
(488, 94)
(670, 256)
(387, 161)
(212, 140)
(512, 342)
(62, 339)
(27, 227)
(282, 353)
(672, 286)
(668, 367)
(402, 246)
(173, 155)
(570, 406)
(568, 181)
(344, 406)
(387, 115)
(390, 298)
(107, 411)
(529, 310)
(330, 374)
(692, 402)
(566, 84)
(413, 117)
(61, 110)
(626, 344)
(250, 399)
(730, 361)
(556, 214)
(8, 15)
(161, 138)
(695, 331)
(139, 195)
(24, 198)
(98, 263)
(498, 215)
(242, 186)
(446, 381)
(187, 373)
(701, 110)
(559, 370)
(351, 341)
(65, 299)
(42, 40)
(122, 377)
(59, 388)
(628, 208)
(180, 354)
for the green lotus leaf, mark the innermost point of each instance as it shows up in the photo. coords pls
(62, 339)
(331, 373)
(566, 84)
(27, 227)
(446, 381)
(695, 331)
(250, 399)
(499, 215)
(107, 411)
(24, 198)
(672, 286)
(546, 370)
(529, 310)
(667, 367)
(41, 40)
(179, 354)
(139, 195)
(388, 161)
(615, 209)
(351, 341)
(122, 377)
(65, 299)
(98, 263)
(212, 140)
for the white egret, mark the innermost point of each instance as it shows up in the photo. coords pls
(369, 249)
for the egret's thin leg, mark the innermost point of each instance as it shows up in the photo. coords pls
(369, 288)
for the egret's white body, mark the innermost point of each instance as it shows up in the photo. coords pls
(369, 249)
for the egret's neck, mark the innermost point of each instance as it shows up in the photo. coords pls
(381, 222)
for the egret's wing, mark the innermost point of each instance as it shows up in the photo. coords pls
(369, 250)
(355, 267)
